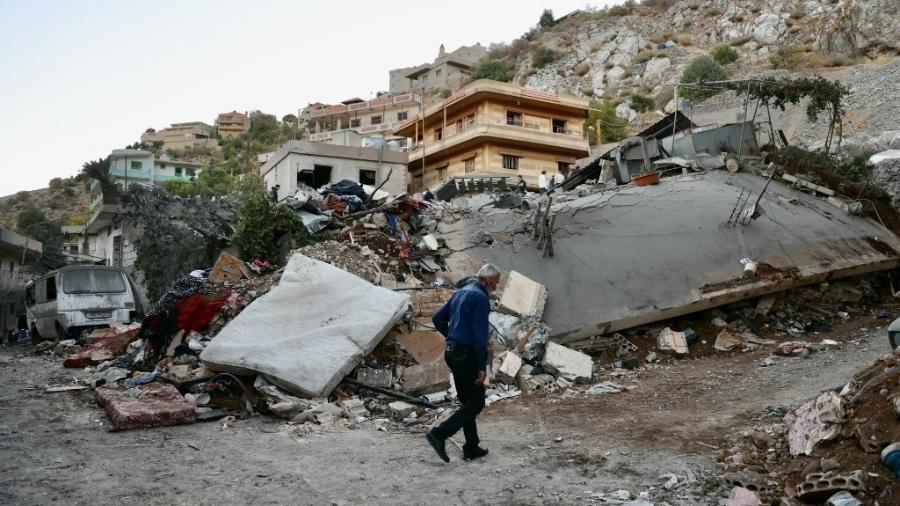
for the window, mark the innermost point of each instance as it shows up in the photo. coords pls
(563, 168)
(367, 177)
(437, 73)
(178, 171)
(442, 173)
(513, 118)
(401, 116)
(417, 181)
(162, 166)
(191, 172)
(136, 165)
(316, 178)
(459, 125)
(438, 134)
(354, 123)
(376, 120)
(470, 164)
(559, 126)
(51, 288)
(93, 281)
(511, 162)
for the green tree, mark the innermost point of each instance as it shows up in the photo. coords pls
(498, 70)
(701, 70)
(602, 125)
(96, 169)
(180, 188)
(261, 222)
(34, 223)
(290, 119)
(214, 181)
(641, 103)
(547, 20)
(56, 184)
(724, 54)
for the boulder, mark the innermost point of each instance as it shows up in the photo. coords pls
(568, 363)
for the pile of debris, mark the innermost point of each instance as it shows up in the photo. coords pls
(840, 447)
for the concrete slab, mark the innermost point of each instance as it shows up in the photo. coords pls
(636, 255)
(424, 345)
(508, 365)
(523, 296)
(426, 378)
(309, 331)
(568, 363)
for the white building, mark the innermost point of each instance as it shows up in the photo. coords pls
(317, 164)
(139, 166)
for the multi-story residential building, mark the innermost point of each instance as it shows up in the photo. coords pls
(316, 164)
(364, 118)
(139, 166)
(181, 136)
(494, 128)
(14, 248)
(448, 71)
(232, 124)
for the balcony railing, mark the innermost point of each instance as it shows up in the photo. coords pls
(375, 103)
(454, 129)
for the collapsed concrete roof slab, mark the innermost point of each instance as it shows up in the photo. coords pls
(635, 255)
(309, 331)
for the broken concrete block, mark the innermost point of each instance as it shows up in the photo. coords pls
(354, 408)
(101, 350)
(430, 242)
(383, 378)
(401, 409)
(765, 304)
(523, 297)
(153, 405)
(568, 363)
(228, 268)
(672, 342)
(424, 345)
(537, 382)
(426, 378)
(509, 365)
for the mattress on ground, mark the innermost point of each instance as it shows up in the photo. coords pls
(309, 331)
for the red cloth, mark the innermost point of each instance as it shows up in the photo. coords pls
(195, 311)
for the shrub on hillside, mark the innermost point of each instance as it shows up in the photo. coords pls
(641, 103)
(701, 70)
(543, 56)
(498, 70)
(724, 54)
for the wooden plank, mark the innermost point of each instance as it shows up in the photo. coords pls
(802, 182)
(67, 388)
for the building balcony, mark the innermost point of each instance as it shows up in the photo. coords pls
(375, 103)
(362, 130)
(528, 134)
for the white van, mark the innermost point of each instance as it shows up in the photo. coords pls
(68, 301)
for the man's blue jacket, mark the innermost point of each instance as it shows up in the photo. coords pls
(464, 320)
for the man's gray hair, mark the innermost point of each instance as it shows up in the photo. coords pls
(488, 271)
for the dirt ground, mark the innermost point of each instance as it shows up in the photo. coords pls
(549, 449)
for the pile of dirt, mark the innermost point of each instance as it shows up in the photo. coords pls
(858, 424)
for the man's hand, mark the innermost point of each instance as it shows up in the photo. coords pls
(481, 377)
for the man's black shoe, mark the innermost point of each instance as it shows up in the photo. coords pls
(439, 445)
(475, 453)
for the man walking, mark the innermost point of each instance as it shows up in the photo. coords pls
(542, 182)
(463, 321)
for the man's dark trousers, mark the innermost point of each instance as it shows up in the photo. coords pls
(462, 363)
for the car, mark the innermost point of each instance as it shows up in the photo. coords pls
(893, 332)
(64, 303)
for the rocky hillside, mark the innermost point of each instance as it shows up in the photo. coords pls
(642, 49)
(65, 201)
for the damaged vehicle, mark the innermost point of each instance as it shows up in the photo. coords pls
(65, 302)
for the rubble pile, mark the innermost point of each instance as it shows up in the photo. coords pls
(839, 444)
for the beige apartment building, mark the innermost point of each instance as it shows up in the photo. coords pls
(232, 124)
(376, 117)
(182, 135)
(448, 71)
(490, 128)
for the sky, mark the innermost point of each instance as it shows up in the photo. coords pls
(83, 77)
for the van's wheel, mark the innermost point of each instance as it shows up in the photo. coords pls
(35, 335)
(60, 332)
(894, 338)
